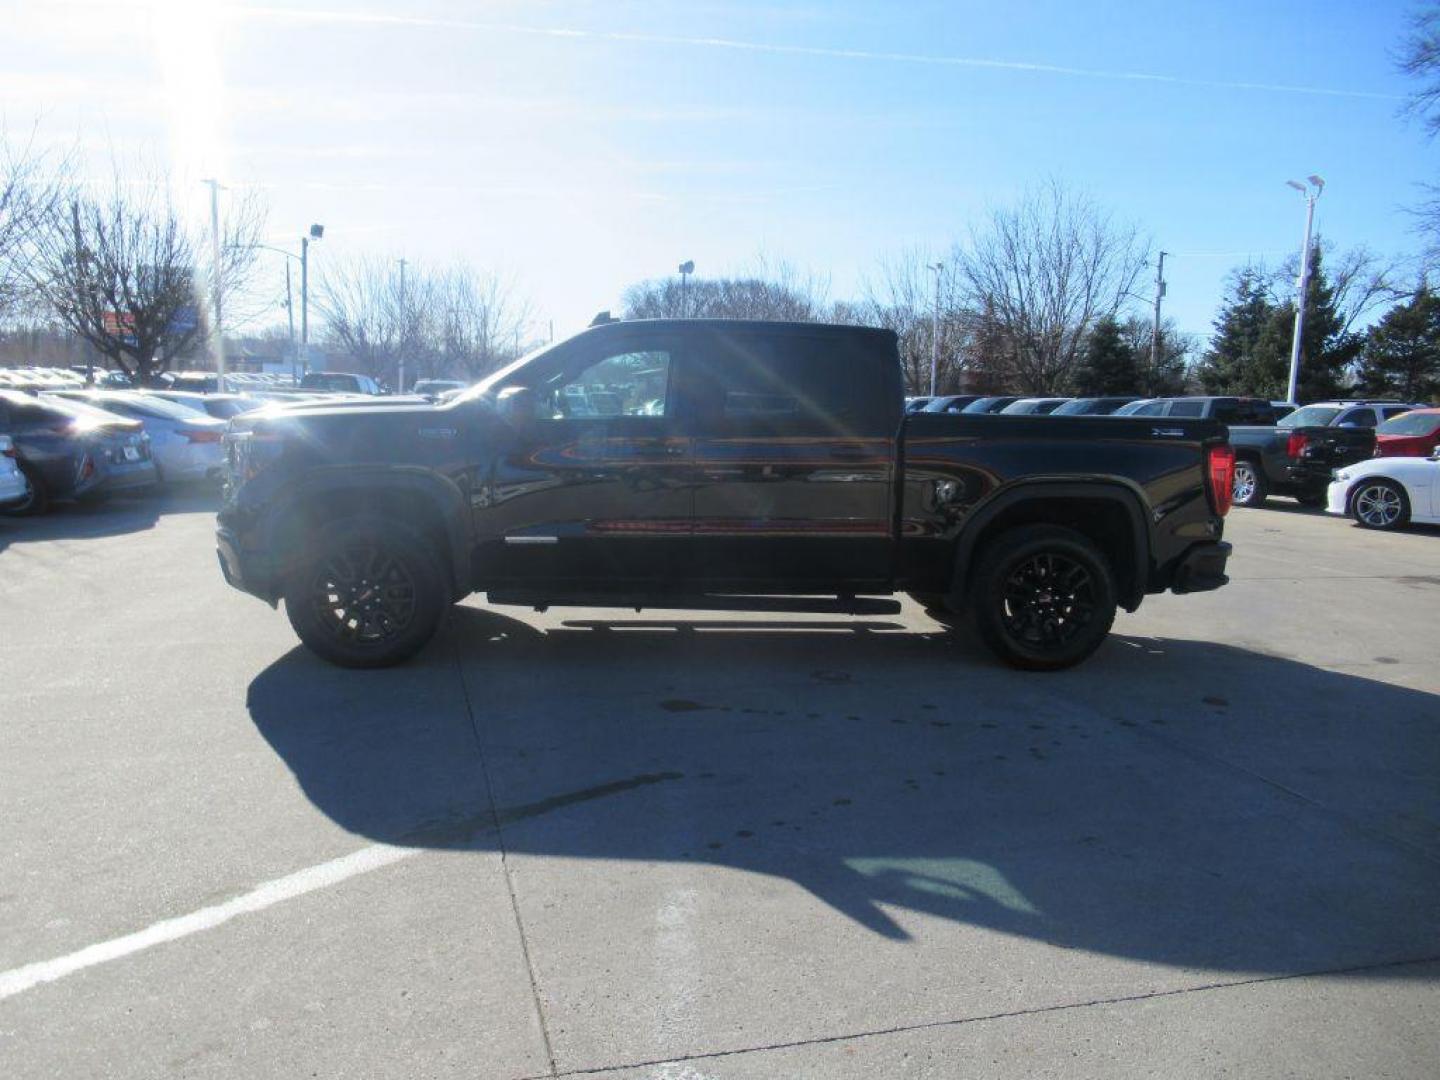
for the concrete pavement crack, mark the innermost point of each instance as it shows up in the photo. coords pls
(505, 864)
(901, 1029)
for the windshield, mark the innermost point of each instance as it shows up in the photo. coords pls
(1411, 423)
(1310, 416)
(483, 387)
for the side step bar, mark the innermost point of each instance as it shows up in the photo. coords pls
(810, 605)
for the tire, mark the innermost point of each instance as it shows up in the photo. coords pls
(1249, 486)
(386, 620)
(1042, 597)
(1379, 504)
(37, 502)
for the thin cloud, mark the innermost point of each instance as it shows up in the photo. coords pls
(356, 18)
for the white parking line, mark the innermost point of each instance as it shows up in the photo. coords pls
(323, 875)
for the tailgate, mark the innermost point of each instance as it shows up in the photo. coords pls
(1334, 447)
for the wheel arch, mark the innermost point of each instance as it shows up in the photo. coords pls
(429, 505)
(1108, 513)
(1354, 489)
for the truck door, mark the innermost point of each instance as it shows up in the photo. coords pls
(794, 444)
(592, 491)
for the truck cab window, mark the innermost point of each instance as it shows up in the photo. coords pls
(623, 384)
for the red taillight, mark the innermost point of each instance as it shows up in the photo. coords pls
(1296, 444)
(206, 435)
(1220, 469)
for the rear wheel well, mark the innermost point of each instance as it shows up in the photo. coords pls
(1105, 522)
(411, 510)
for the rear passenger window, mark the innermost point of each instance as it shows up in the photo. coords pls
(1155, 408)
(1187, 408)
(789, 383)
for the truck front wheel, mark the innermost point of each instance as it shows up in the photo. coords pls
(367, 594)
(1042, 597)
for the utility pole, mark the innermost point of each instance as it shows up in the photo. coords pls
(405, 333)
(1303, 283)
(935, 329)
(217, 284)
(304, 304)
(290, 315)
(1155, 326)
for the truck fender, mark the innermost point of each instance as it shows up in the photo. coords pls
(1116, 491)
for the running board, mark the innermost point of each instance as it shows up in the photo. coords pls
(807, 605)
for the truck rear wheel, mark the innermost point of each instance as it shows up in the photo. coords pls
(1042, 597)
(1247, 483)
(368, 594)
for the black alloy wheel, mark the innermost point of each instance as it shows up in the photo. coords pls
(1042, 597)
(369, 594)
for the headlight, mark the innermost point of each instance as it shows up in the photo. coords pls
(1340, 474)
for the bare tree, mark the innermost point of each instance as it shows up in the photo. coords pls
(458, 322)
(125, 273)
(27, 190)
(1419, 57)
(772, 290)
(902, 297)
(1045, 271)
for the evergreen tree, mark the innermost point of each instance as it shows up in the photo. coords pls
(1402, 351)
(1228, 364)
(1107, 364)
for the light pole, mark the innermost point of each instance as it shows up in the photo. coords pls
(1309, 194)
(317, 232)
(1155, 326)
(217, 283)
(289, 299)
(686, 269)
(935, 328)
(405, 333)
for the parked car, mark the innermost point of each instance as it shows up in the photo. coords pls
(433, 388)
(915, 404)
(950, 403)
(778, 461)
(185, 444)
(1091, 406)
(68, 450)
(1033, 406)
(1389, 492)
(986, 405)
(1297, 455)
(1228, 410)
(1412, 434)
(339, 382)
(14, 487)
(216, 406)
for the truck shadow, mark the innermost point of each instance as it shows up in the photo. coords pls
(1180, 802)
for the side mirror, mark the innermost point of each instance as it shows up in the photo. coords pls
(516, 404)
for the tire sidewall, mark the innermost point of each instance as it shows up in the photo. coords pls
(1398, 489)
(431, 597)
(987, 596)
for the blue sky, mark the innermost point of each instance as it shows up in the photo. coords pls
(580, 146)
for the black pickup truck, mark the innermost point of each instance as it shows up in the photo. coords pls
(675, 462)
(1297, 454)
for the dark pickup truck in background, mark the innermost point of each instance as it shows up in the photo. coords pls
(675, 463)
(1298, 453)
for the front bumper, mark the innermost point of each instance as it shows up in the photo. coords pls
(1337, 497)
(244, 571)
(1202, 568)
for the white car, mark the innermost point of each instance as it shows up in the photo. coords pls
(1385, 493)
(13, 484)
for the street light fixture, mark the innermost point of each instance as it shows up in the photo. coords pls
(1309, 194)
(686, 269)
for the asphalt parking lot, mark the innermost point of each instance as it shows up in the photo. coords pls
(693, 845)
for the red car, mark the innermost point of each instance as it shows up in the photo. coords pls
(1412, 434)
